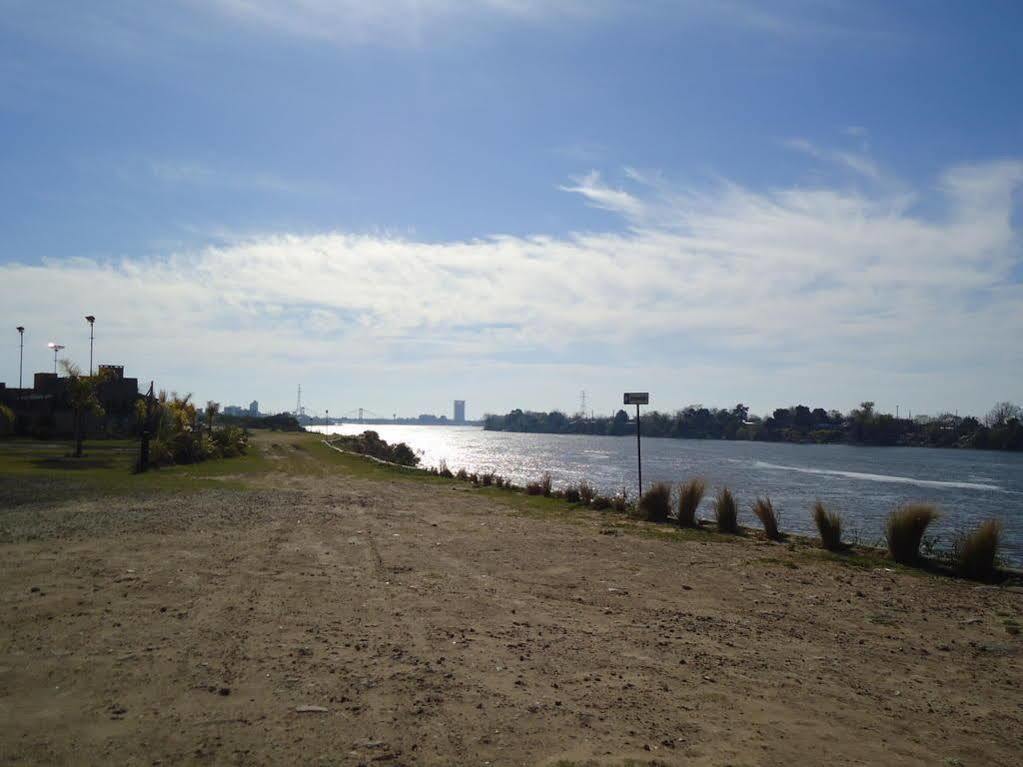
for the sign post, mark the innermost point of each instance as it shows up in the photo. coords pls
(638, 398)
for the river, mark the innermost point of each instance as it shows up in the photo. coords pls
(863, 483)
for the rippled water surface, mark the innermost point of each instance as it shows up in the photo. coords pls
(864, 483)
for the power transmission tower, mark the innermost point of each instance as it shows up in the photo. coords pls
(582, 402)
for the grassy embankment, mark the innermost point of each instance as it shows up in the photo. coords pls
(34, 472)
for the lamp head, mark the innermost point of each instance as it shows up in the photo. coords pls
(21, 329)
(90, 319)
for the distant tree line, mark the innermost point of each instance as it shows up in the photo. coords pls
(1001, 429)
(280, 422)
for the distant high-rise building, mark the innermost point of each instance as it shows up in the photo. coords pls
(459, 411)
(254, 408)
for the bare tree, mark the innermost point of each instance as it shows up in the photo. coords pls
(1002, 413)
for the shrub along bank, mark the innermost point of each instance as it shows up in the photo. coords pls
(972, 555)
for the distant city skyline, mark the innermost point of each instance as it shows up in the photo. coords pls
(395, 203)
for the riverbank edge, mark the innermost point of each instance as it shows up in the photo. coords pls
(555, 507)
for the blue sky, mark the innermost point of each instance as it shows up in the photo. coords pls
(399, 203)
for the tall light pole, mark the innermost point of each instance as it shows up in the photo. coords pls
(21, 356)
(56, 348)
(92, 322)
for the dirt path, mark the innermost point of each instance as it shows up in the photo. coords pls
(437, 627)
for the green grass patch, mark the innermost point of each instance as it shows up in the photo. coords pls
(40, 472)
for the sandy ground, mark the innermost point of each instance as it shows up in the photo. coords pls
(434, 626)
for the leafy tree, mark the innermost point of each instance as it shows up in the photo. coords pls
(619, 424)
(212, 409)
(83, 398)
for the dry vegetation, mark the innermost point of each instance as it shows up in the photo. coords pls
(975, 554)
(905, 529)
(655, 505)
(726, 512)
(690, 497)
(763, 509)
(972, 555)
(829, 525)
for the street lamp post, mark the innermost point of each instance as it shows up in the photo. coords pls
(21, 356)
(56, 348)
(92, 322)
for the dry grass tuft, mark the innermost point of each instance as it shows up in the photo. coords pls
(655, 505)
(487, 478)
(690, 495)
(545, 483)
(601, 503)
(572, 494)
(726, 512)
(829, 525)
(764, 511)
(975, 555)
(905, 529)
(443, 469)
(621, 501)
(587, 492)
(534, 488)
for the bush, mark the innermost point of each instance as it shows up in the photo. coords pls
(601, 502)
(655, 505)
(545, 483)
(587, 493)
(621, 500)
(534, 488)
(764, 511)
(369, 443)
(487, 478)
(462, 475)
(690, 495)
(498, 480)
(974, 555)
(443, 469)
(572, 494)
(905, 529)
(829, 525)
(726, 512)
(7, 421)
(474, 478)
(229, 441)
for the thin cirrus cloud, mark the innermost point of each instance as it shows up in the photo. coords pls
(420, 22)
(786, 280)
(395, 22)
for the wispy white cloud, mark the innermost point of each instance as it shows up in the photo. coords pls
(418, 22)
(599, 195)
(857, 162)
(789, 281)
(397, 22)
